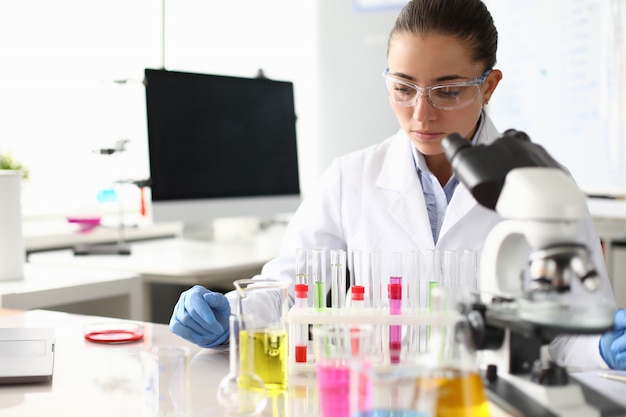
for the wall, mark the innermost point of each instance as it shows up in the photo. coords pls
(564, 65)
(353, 110)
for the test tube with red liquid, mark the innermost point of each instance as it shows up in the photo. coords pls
(302, 334)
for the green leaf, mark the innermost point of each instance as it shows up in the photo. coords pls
(8, 161)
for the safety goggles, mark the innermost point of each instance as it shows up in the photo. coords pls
(451, 96)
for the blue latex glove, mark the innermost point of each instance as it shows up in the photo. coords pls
(613, 344)
(201, 317)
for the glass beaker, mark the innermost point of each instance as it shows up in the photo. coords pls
(455, 377)
(165, 371)
(381, 389)
(262, 307)
(335, 346)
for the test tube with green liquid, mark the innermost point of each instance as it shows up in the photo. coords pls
(318, 272)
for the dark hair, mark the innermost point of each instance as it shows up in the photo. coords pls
(469, 20)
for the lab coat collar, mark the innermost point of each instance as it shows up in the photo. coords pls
(398, 174)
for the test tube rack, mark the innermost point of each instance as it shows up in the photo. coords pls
(368, 316)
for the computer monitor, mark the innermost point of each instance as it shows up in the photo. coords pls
(220, 146)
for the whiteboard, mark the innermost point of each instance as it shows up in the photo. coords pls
(564, 83)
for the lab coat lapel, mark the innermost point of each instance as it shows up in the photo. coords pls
(406, 203)
(462, 200)
(460, 204)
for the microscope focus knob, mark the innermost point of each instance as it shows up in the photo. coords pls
(491, 373)
(554, 268)
(548, 373)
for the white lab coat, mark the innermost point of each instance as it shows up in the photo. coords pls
(372, 199)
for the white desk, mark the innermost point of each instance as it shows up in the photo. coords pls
(175, 261)
(74, 289)
(105, 380)
(59, 234)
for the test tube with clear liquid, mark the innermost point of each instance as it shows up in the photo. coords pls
(374, 297)
(413, 288)
(338, 278)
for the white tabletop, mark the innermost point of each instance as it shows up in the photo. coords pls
(59, 234)
(45, 277)
(174, 260)
(607, 208)
(47, 286)
(106, 380)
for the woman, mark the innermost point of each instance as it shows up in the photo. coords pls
(400, 194)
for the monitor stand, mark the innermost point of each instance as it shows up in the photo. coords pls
(102, 249)
(225, 229)
(198, 231)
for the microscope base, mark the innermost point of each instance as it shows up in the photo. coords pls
(515, 396)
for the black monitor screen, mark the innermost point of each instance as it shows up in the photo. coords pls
(214, 136)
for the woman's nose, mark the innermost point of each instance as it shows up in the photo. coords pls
(422, 109)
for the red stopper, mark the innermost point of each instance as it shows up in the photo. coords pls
(301, 353)
(395, 291)
(358, 292)
(302, 290)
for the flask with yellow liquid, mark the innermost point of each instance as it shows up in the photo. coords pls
(241, 392)
(258, 346)
(455, 378)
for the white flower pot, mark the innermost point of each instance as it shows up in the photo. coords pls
(12, 251)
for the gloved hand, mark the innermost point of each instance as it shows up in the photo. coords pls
(201, 317)
(613, 343)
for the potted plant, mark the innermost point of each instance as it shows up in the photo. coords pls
(7, 161)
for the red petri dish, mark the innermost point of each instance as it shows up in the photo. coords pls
(113, 332)
(113, 336)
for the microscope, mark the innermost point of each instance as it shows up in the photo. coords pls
(537, 281)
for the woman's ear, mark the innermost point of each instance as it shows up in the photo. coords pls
(490, 84)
